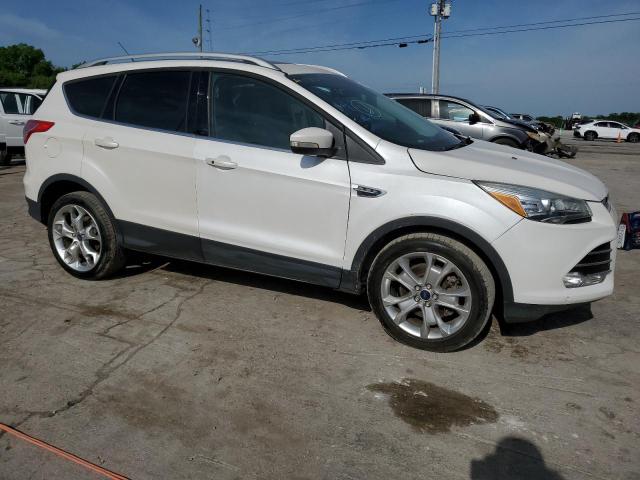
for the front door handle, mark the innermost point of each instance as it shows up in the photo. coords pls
(16, 122)
(223, 163)
(106, 142)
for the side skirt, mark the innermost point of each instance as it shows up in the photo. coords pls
(187, 247)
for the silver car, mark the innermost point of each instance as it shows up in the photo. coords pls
(469, 119)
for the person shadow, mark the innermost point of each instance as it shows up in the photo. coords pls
(513, 459)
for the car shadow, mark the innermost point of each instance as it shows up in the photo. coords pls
(552, 321)
(141, 263)
(514, 458)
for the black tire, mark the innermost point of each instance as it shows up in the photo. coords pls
(590, 136)
(633, 137)
(478, 276)
(112, 257)
(5, 158)
(509, 142)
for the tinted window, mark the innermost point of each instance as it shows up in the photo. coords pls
(380, 115)
(88, 97)
(19, 103)
(251, 111)
(154, 99)
(422, 106)
(453, 111)
(602, 124)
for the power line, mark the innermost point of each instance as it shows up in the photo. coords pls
(426, 38)
(305, 14)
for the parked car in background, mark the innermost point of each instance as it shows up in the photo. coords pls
(469, 119)
(606, 129)
(524, 117)
(16, 107)
(299, 172)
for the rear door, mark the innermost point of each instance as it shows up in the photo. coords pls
(139, 155)
(603, 130)
(262, 207)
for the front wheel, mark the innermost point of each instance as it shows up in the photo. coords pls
(83, 237)
(589, 136)
(431, 292)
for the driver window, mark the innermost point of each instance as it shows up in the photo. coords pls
(453, 111)
(251, 111)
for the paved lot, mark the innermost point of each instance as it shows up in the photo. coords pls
(177, 371)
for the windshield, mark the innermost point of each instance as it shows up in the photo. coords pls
(494, 112)
(380, 115)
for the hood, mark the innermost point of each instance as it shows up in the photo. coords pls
(519, 123)
(498, 163)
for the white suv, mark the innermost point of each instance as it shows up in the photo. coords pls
(16, 107)
(299, 172)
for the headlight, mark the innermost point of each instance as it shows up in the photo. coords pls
(538, 205)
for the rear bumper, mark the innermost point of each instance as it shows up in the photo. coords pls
(34, 209)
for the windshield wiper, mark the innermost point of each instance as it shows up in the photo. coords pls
(464, 141)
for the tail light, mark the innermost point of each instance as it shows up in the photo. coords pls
(35, 126)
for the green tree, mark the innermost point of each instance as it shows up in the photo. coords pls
(23, 65)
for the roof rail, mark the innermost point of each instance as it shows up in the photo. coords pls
(181, 56)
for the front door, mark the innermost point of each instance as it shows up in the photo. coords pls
(261, 207)
(456, 115)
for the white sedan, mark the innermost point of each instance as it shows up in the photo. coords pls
(607, 129)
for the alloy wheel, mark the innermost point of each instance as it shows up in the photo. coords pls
(77, 238)
(426, 295)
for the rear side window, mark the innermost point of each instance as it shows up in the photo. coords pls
(154, 99)
(252, 111)
(19, 103)
(421, 106)
(87, 97)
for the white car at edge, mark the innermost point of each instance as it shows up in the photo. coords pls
(299, 172)
(16, 107)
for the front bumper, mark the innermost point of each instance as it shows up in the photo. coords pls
(576, 133)
(538, 255)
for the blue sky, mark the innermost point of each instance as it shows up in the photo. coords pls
(592, 69)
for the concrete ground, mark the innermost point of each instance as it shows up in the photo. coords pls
(181, 371)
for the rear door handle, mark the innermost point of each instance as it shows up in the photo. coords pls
(16, 122)
(107, 142)
(223, 163)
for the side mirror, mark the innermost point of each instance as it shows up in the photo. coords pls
(474, 118)
(312, 141)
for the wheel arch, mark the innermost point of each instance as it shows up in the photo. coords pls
(507, 136)
(354, 279)
(61, 184)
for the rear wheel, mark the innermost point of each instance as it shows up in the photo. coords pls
(507, 141)
(431, 292)
(590, 136)
(633, 137)
(83, 237)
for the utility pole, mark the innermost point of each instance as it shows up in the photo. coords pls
(197, 40)
(208, 30)
(200, 28)
(440, 10)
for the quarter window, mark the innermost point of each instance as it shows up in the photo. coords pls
(154, 99)
(87, 97)
(252, 111)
